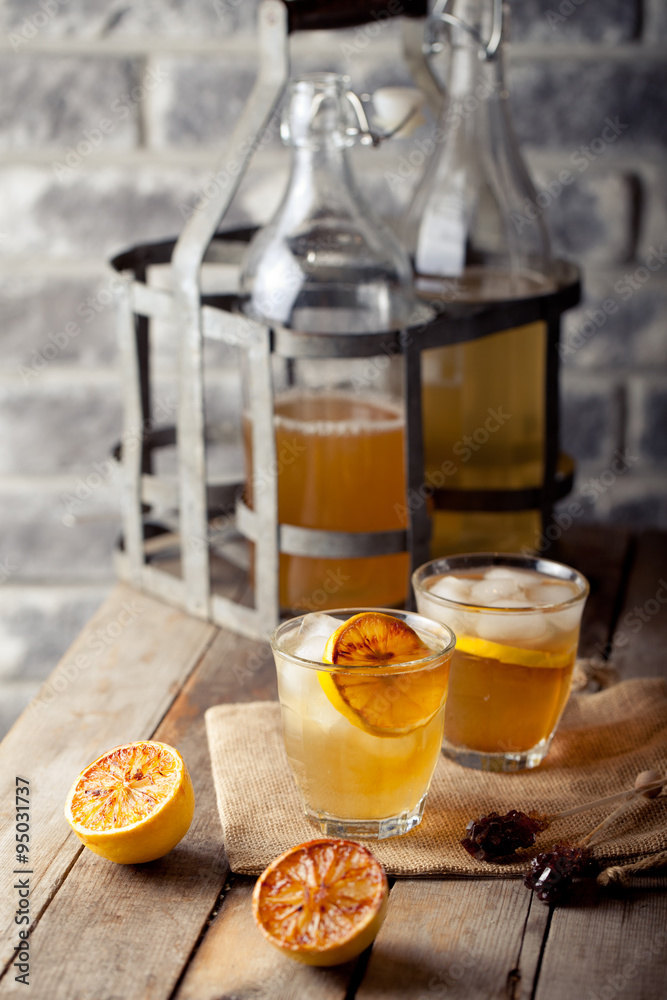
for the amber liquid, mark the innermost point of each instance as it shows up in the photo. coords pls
(463, 387)
(340, 467)
(483, 412)
(498, 707)
(507, 690)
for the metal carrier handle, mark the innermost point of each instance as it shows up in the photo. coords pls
(307, 15)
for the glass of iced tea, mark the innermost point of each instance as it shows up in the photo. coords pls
(363, 724)
(516, 620)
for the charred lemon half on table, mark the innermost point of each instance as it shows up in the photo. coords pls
(395, 700)
(132, 804)
(322, 902)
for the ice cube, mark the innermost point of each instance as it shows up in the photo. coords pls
(464, 623)
(500, 573)
(513, 628)
(292, 683)
(515, 602)
(453, 588)
(566, 620)
(550, 593)
(317, 624)
(487, 591)
(460, 622)
(311, 648)
(522, 577)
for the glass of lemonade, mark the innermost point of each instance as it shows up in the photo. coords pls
(517, 621)
(363, 740)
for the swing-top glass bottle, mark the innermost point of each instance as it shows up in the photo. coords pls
(324, 265)
(472, 242)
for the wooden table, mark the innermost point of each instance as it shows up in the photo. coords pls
(182, 928)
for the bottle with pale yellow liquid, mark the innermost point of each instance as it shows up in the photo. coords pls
(324, 266)
(471, 242)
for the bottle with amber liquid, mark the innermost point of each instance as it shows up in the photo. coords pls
(324, 265)
(483, 400)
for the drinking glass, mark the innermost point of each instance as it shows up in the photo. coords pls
(517, 621)
(362, 741)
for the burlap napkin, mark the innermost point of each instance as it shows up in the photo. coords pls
(603, 742)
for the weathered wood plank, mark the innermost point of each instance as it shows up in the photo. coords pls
(640, 635)
(455, 937)
(112, 932)
(522, 983)
(142, 922)
(602, 947)
(234, 960)
(114, 685)
(600, 555)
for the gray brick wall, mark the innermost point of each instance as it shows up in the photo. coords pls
(113, 115)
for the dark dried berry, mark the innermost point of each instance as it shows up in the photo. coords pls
(551, 874)
(495, 836)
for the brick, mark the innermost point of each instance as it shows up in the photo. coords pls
(631, 495)
(200, 99)
(37, 544)
(647, 417)
(563, 21)
(563, 104)
(640, 502)
(61, 102)
(38, 624)
(92, 212)
(653, 233)
(61, 320)
(598, 483)
(634, 334)
(590, 416)
(49, 427)
(590, 218)
(655, 20)
(100, 212)
(24, 20)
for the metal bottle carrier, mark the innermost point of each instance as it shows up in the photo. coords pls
(191, 586)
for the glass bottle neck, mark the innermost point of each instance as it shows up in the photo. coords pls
(323, 264)
(468, 73)
(321, 178)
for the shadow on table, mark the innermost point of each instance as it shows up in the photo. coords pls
(415, 966)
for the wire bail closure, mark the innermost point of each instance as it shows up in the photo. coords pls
(489, 50)
(363, 132)
(369, 136)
